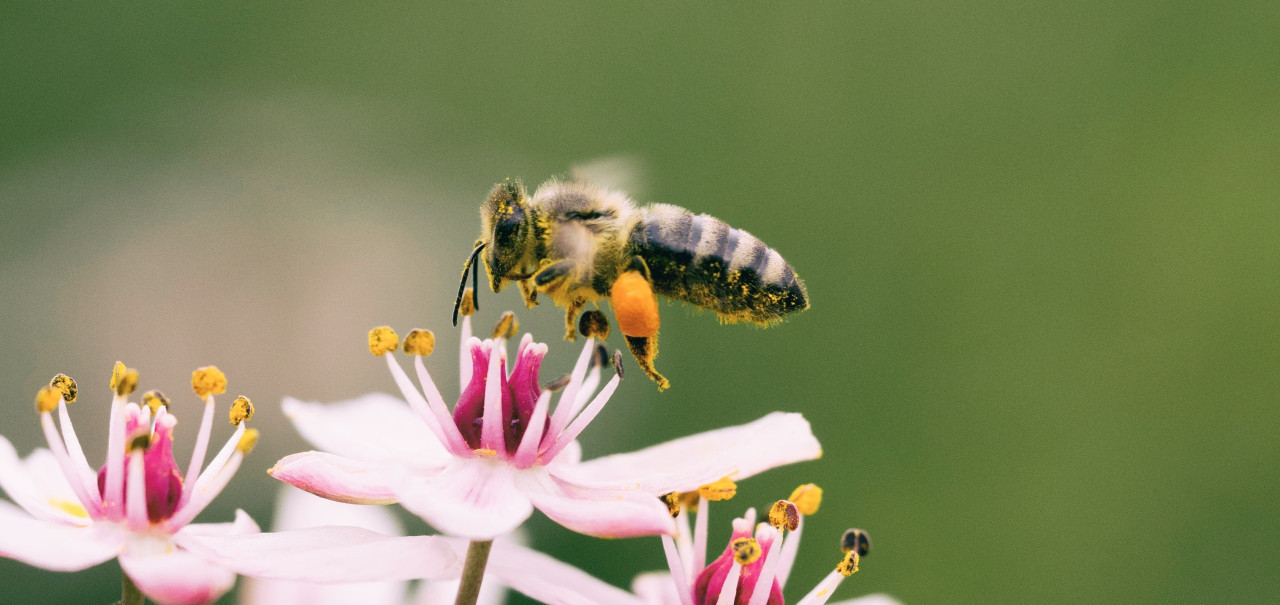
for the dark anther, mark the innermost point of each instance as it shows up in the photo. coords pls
(557, 384)
(617, 363)
(856, 540)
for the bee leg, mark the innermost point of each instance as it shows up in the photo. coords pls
(570, 314)
(550, 275)
(645, 349)
(529, 293)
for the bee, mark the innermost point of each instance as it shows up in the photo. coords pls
(576, 242)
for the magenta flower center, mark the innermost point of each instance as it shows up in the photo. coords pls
(160, 471)
(710, 581)
(519, 391)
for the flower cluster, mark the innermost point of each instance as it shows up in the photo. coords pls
(475, 471)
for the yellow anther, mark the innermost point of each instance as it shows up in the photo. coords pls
(507, 326)
(241, 410)
(468, 306)
(593, 324)
(66, 385)
(690, 501)
(808, 498)
(208, 380)
(123, 380)
(849, 564)
(485, 452)
(746, 551)
(47, 399)
(247, 441)
(672, 500)
(382, 340)
(784, 515)
(419, 342)
(154, 400)
(719, 490)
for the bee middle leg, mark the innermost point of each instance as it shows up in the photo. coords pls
(529, 293)
(570, 314)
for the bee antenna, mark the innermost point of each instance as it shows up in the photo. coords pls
(475, 282)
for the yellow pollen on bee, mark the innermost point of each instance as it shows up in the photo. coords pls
(247, 441)
(485, 452)
(507, 326)
(123, 380)
(420, 342)
(208, 380)
(468, 306)
(723, 489)
(47, 399)
(241, 410)
(745, 551)
(66, 385)
(784, 515)
(154, 400)
(672, 500)
(382, 340)
(849, 564)
(808, 498)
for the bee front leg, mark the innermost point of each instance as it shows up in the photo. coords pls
(529, 293)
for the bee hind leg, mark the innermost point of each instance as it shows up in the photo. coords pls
(645, 349)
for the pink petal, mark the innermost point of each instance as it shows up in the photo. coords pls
(473, 498)
(689, 462)
(551, 581)
(55, 546)
(296, 509)
(177, 577)
(606, 513)
(442, 592)
(339, 478)
(282, 592)
(327, 555)
(373, 427)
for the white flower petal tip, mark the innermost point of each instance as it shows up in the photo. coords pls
(598, 512)
(684, 464)
(551, 581)
(177, 577)
(376, 426)
(338, 478)
(328, 555)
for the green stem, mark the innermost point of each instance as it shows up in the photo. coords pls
(129, 593)
(473, 572)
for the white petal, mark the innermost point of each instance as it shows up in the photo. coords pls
(55, 546)
(685, 464)
(177, 577)
(296, 509)
(606, 513)
(327, 555)
(19, 480)
(243, 524)
(872, 599)
(281, 592)
(550, 581)
(472, 498)
(376, 426)
(442, 592)
(339, 478)
(655, 588)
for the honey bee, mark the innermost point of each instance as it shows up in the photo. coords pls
(577, 242)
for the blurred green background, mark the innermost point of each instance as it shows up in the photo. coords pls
(1040, 241)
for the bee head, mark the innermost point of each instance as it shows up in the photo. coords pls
(507, 223)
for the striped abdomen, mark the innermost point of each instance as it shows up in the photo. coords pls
(702, 260)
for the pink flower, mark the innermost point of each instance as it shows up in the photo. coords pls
(479, 470)
(751, 570)
(139, 507)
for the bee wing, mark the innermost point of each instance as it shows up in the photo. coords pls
(619, 172)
